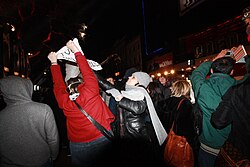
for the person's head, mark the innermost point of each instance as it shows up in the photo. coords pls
(181, 88)
(246, 19)
(163, 80)
(155, 91)
(72, 70)
(73, 83)
(223, 65)
(16, 89)
(139, 79)
(129, 72)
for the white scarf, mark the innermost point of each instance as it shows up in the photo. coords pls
(132, 93)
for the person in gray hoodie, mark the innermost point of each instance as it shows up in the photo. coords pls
(29, 135)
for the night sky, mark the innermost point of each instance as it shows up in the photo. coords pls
(46, 25)
(110, 20)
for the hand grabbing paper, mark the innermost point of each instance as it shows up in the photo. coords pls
(66, 54)
(115, 93)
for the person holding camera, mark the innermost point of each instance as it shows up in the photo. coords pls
(210, 92)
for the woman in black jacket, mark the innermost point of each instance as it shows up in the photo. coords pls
(136, 147)
(183, 117)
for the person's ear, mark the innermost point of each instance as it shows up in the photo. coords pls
(211, 71)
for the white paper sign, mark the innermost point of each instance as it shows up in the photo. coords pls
(66, 54)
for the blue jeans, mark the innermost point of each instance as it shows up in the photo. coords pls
(205, 159)
(88, 154)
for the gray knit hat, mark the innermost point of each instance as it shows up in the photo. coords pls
(72, 71)
(143, 78)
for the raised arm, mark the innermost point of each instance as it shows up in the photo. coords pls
(89, 78)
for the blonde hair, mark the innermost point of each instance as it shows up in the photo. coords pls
(181, 88)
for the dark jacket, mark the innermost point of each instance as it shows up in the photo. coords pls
(133, 113)
(234, 109)
(183, 118)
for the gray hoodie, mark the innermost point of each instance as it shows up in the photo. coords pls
(28, 131)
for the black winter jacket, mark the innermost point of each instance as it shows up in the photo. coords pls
(234, 109)
(133, 114)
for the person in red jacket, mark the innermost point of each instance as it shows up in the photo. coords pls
(87, 143)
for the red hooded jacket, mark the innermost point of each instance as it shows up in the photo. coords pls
(79, 128)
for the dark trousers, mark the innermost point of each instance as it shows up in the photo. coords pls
(205, 159)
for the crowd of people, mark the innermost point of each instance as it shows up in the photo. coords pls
(138, 111)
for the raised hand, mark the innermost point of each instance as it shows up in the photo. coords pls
(52, 57)
(221, 54)
(71, 45)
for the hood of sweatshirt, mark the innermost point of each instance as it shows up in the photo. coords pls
(16, 90)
